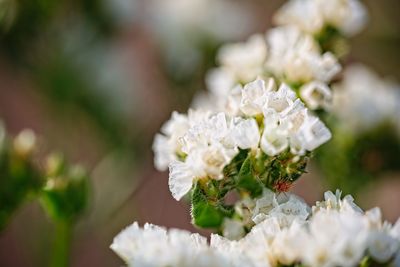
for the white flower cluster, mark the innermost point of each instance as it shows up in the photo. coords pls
(289, 52)
(313, 16)
(268, 119)
(154, 246)
(285, 53)
(363, 100)
(335, 233)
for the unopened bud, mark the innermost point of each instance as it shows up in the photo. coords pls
(25, 143)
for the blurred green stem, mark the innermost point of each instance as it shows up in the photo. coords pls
(61, 246)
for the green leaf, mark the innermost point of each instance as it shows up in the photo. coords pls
(233, 168)
(247, 180)
(206, 212)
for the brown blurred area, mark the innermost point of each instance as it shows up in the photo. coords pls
(125, 187)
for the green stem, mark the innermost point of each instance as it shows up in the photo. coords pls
(61, 246)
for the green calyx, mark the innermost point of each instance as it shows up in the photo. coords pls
(247, 175)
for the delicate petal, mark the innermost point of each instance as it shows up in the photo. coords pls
(246, 134)
(316, 95)
(180, 179)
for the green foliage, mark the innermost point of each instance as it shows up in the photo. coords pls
(358, 160)
(18, 180)
(208, 211)
(65, 195)
(247, 180)
(331, 40)
(247, 174)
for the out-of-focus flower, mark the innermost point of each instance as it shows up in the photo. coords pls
(154, 246)
(363, 100)
(296, 57)
(331, 236)
(244, 60)
(313, 16)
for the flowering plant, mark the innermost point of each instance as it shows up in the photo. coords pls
(249, 138)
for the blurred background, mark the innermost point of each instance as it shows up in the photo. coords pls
(96, 79)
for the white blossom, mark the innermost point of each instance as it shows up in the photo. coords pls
(255, 95)
(154, 246)
(363, 100)
(316, 95)
(246, 133)
(296, 57)
(166, 146)
(244, 60)
(313, 16)
(285, 208)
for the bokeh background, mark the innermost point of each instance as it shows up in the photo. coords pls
(97, 78)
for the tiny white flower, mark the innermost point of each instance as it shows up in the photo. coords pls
(296, 57)
(246, 133)
(382, 246)
(280, 100)
(244, 60)
(274, 139)
(254, 96)
(312, 16)
(363, 100)
(311, 134)
(316, 95)
(232, 229)
(220, 81)
(264, 205)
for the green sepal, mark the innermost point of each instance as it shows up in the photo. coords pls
(247, 180)
(208, 211)
(233, 168)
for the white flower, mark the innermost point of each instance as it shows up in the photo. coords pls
(254, 96)
(244, 60)
(209, 147)
(264, 205)
(296, 57)
(285, 208)
(311, 134)
(154, 246)
(338, 239)
(288, 243)
(382, 246)
(363, 100)
(334, 202)
(24, 143)
(232, 229)
(274, 139)
(245, 133)
(294, 209)
(166, 146)
(220, 81)
(316, 95)
(312, 16)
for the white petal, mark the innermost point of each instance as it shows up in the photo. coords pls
(253, 97)
(163, 153)
(246, 134)
(316, 94)
(180, 179)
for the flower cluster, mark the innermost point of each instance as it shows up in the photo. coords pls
(254, 128)
(286, 53)
(363, 100)
(334, 232)
(248, 139)
(200, 145)
(314, 16)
